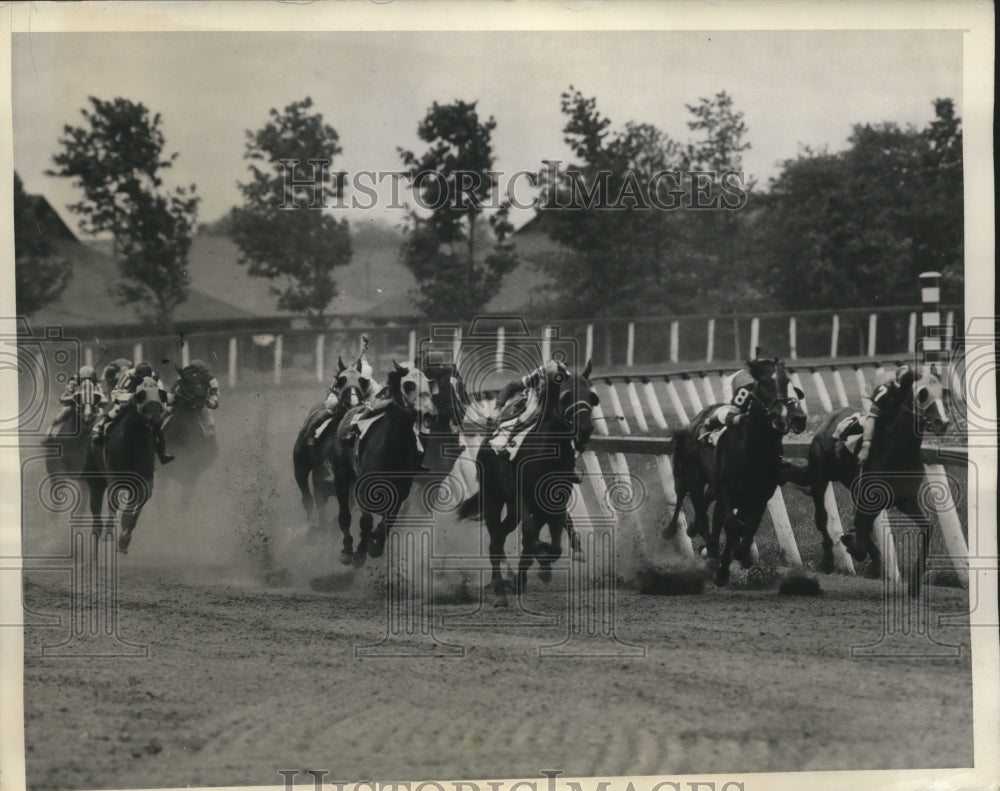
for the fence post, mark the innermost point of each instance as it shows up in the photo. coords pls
(630, 347)
(838, 385)
(706, 386)
(793, 341)
(321, 356)
(411, 346)
(822, 392)
(589, 345)
(859, 375)
(692, 392)
(675, 342)
(88, 356)
(279, 350)
(932, 350)
(872, 333)
(654, 404)
(616, 404)
(456, 345)
(546, 344)
(185, 354)
(841, 557)
(233, 351)
(911, 336)
(137, 353)
(711, 341)
(834, 335)
(783, 528)
(675, 399)
(633, 397)
(951, 529)
(754, 336)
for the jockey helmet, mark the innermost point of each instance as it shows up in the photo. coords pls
(142, 370)
(86, 372)
(198, 365)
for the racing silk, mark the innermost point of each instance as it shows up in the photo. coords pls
(126, 385)
(68, 397)
(886, 396)
(534, 381)
(207, 380)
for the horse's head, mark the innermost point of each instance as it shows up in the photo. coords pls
(576, 401)
(113, 370)
(147, 401)
(928, 403)
(192, 389)
(351, 385)
(770, 391)
(411, 389)
(797, 417)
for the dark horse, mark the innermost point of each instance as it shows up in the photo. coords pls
(123, 463)
(741, 471)
(534, 485)
(691, 481)
(312, 461)
(379, 467)
(74, 434)
(196, 449)
(451, 401)
(893, 474)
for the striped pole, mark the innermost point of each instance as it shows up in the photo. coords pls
(321, 356)
(233, 351)
(630, 348)
(711, 341)
(793, 341)
(872, 333)
(675, 341)
(932, 351)
(834, 335)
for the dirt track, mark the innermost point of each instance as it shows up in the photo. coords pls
(242, 680)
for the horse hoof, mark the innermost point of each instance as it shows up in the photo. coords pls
(375, 551)
(358, 559)
(500, 601)
(722, 577)
(578, 557)
(826, 564)
(346, 558)
(545, 575)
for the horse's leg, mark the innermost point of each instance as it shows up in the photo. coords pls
(530, 528)
(860, 545)
(343, 490)
(381, 533)
(549, 552)
(366, 521)
(724, 518)
(576, 548)
(303, 470)
(719, 515)
(913, 575)
(97, 487)
(817, 488)
(750, 519)
(700, 526)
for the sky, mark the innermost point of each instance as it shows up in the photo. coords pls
(795, 88)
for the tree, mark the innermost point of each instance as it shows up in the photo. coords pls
(281, 230)
(444, 248)
(116, 159)
(642, 231)
(40, 274)
(857, 227)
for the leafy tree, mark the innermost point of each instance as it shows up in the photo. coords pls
(40, 273)
(445, 248)
(858, 226)
(642, 233)
(116, 159)
(281, 230)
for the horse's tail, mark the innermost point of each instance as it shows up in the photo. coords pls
(472, 508)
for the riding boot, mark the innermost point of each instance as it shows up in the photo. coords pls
(161, 449)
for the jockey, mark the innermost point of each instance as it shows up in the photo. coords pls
(121, 396)
(198, 371)
(886, 398)
(112, 371)
(517, 389)
(68, 398)
(331, 401)
(731, 414)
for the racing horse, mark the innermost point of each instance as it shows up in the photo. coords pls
(690, 480)
(74, 434)
(379, 467)
(122, 466)
(451, 401)
(740, 472)
(534, 486)
(195, 443)
(312, 463)
(892, 476)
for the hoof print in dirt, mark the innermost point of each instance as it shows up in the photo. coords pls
(680, 581)
(331, 582)
(798, 583)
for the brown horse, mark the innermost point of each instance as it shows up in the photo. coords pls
(892, 476)
(378, 468)
(122, 466)
(534, 486)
